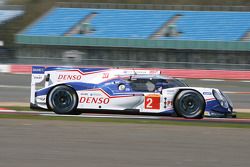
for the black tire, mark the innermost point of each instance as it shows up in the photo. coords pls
(63, 100)
(189, 104)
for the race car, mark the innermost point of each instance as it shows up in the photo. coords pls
(67, 90)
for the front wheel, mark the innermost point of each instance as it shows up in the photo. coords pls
(189, 104)
(63, 100)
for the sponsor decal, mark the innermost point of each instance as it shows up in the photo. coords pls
(168, 103)
(169, 92)
(94, 100)
(41, 99)
(207, 93)
(69, 77)
(108, 83)
(153, 95)
(95, 94)
(206, 113)
(37, 77)
(38, 70)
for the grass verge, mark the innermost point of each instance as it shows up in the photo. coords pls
(243, 115)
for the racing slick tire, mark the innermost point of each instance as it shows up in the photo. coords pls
(189, 104)
(63, 100)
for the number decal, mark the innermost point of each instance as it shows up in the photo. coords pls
(152, 102)
(105, 75)
(149, 102)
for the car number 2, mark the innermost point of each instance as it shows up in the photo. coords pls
(152, 102)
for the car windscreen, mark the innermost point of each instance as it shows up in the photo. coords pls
(152, 85)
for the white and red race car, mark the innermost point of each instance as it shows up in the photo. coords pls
(66, 90)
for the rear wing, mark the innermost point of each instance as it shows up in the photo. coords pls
(138, 72)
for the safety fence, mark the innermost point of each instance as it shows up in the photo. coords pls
(241, 7)
(133, 43)
(116, 62)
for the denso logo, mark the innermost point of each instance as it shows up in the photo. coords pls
(69, 77)
(94, 100)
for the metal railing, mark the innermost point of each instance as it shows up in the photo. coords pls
(152, 6)
(128, 63)
(12, 7)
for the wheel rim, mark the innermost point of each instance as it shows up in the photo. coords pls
(190, 105)
(62, 100)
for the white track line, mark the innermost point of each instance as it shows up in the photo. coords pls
(240, 93)
(15, 86)
(216, 80)
(245, 81)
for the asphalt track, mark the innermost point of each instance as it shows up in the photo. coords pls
(16, 89)
(37, 143)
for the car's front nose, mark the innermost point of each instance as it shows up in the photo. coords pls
(222, 106)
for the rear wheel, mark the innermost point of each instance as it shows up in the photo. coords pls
(189, 104)
(63, 100)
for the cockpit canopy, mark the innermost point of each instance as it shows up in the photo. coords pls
(153, 83)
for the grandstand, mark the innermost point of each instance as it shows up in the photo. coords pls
(198, 32)
(141, 24)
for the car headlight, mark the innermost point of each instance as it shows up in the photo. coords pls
(228, 99)
(219, 96)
